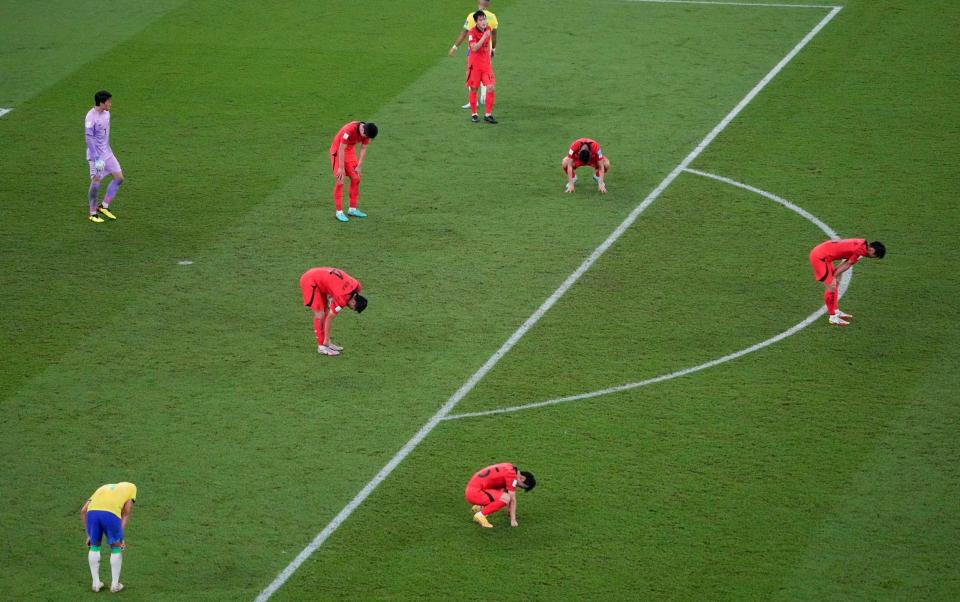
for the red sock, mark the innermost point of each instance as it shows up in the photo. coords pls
(318, 329)
(489, 103)
(354, 192)
(473, 102)
(830, 299)
(338, 196)
(492, 507)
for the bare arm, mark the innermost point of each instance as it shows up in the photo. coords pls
(338, 175)
(83, 517)
(493, 50)
(363, 152)
(327, 325)
(456, 45)
(513, 509)
(843, 267)
(125, 514)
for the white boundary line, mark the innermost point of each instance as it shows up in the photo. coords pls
(844, 284)
(4, 112)
(454, 399)
(722, 3)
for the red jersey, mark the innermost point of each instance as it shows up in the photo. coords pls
(481, 56)
(335, 283)
(851, 249)
(497, 476)
(349, 135)
(595, 151)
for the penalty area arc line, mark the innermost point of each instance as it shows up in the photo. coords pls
(844, 285)
(477, 376)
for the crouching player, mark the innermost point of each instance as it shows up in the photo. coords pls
(494, 487)
(106, 513)
(585, 151)
(821, 260)
(326, 291)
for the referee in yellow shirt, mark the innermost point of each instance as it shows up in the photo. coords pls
(106, 513)
(492, 23)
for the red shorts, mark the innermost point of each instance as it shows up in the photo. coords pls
(349, 165)
(482, 497)
(481, 73)
(822, 269)
(312, 298)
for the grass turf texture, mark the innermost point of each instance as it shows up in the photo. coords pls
(822, 467)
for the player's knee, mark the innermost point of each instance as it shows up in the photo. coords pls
(491, 87)
(118, 177)
(505, 498)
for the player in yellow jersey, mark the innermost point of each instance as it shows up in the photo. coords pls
(107, 512)
(469, 24)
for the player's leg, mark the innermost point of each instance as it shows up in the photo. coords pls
(337, 191)
(94, 537)
(488, 79)
(501, 498)
(116, 180)
(351, 170)
(114, 531)
(93, 192)
(823, 272)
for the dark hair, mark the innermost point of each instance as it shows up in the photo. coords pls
(584, 155)
(361, 303)
(531, 482)
(879, 250)
(478, 14)
(370, 129)
(101, 97)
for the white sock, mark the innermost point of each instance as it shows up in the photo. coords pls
(94, 559)
(115, 561)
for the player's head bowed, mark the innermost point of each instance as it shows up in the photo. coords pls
(527, 480)
(877, 249)
(584, 154)
(368, 129)
(358, 302)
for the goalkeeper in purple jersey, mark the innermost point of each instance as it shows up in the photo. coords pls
(100, 157)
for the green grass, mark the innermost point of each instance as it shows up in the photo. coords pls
(820, 468)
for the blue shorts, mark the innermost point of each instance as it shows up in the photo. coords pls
(100, 522)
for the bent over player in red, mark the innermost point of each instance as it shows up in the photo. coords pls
(494, 487)
(585, 151)
(326, 291)
(850, 251)
(345, 163)
(479, 67)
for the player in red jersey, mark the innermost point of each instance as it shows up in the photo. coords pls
(479, 67)
(345, 163)
(585, 151)
(494, 487)
(326, 291)
(849, 251)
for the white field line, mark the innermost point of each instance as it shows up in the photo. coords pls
(4, 112)
(722, 3)
(454, 399)
(845, 282)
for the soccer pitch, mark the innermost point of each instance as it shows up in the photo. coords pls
(811, 463)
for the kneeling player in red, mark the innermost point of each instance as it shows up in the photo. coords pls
(494, 487)
(585, 151)
(850, 251)
(326, 291)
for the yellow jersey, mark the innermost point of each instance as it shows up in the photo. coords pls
(112, 497)
(491, 20)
